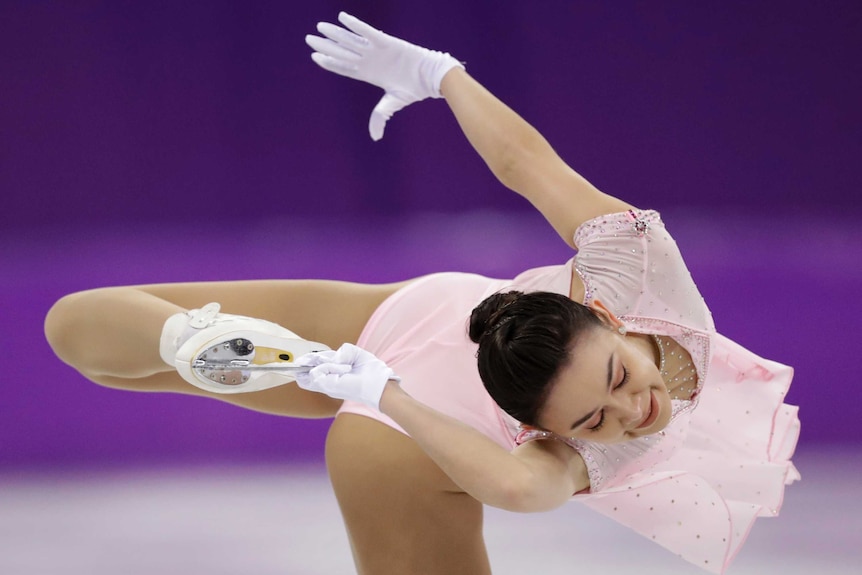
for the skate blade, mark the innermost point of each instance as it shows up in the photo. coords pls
(234, 362)
(245, 365)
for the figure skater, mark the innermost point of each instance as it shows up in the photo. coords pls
(600, 380)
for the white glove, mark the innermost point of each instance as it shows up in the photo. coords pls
(406, 72)
(346, 373)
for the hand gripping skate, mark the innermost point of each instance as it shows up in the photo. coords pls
(236, 354)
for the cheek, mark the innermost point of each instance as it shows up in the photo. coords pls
(663, 399)
(648, 376)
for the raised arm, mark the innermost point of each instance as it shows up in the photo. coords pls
(522, 159)
(515, 151)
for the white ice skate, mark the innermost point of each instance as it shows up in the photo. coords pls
(225, 353)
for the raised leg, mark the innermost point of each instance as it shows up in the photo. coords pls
(111, 335)
(403, 514)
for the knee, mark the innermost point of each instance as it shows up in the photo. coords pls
(67, 324)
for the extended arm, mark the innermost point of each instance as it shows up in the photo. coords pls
(515, 151)
(522, 159)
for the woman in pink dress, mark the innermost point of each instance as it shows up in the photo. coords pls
(601, 379)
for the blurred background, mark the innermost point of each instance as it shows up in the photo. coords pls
(145, 142)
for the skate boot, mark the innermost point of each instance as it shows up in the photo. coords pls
(225, 353)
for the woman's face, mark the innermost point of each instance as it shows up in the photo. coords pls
(610, 392)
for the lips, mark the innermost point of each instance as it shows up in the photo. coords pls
(653, 412)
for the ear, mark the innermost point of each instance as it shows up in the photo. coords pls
(607, 317)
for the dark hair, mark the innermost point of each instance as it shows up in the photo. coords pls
(524, 340)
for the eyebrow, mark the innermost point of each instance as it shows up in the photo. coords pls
(587, 417)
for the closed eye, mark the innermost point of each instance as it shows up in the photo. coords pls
(625, 378)
(601, 422)
(622, 382)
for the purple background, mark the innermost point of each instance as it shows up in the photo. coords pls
(173, 141)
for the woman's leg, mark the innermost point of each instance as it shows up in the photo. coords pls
(403, 514)
(111, 335)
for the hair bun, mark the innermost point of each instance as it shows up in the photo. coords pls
(489, 312)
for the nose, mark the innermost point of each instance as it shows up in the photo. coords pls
(632, 410)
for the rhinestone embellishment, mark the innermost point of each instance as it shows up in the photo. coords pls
(641, 225)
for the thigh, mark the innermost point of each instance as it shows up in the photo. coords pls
(403, 514)
(330, 312)
(286, 400)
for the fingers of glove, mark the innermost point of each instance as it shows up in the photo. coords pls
(327, 383)
(368, 363)
(350, 354)
(384, 110)
(376, 125)
(335, 65)
(304, 380)
(331, 48)
(389, 104)
(315, 358)
(359, 27)
(363, 361)
(328, 370)
(341, 36)
(322, 378)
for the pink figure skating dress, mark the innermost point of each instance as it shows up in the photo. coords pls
(697, 486)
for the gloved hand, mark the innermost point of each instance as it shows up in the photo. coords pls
(346, 373)
(407, 73)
